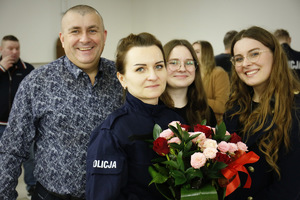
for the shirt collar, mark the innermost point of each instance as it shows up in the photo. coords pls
(137, 104)
(75, 70)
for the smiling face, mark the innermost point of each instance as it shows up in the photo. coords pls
(254, 74)
(145, 73)
(83, 38)
(182, 77)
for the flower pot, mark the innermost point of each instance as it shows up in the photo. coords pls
(207, 192)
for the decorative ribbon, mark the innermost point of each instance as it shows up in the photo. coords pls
(231, 171)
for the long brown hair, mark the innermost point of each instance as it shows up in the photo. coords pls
(197, 106)
(207, 60)
(276, 101)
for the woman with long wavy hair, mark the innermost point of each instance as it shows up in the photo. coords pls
(264, 108)
(185, 92)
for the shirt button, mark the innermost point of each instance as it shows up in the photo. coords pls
(251, 169)
(250, 198)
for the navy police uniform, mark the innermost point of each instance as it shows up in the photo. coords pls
(118, 155)
(265, 182)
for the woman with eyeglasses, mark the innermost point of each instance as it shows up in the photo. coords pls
(118, 155)
(264, 109)
(185, 92)
(215, 79)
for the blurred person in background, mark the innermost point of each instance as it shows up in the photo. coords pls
(285, 40)
(215, 79)
(223, 59)
(12, 71)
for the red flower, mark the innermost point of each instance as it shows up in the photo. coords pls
(204, 129)
(221, 157)
(235, 138)
(160, 146)
(186, 127)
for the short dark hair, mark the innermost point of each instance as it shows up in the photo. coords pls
(10, 38)
(228, 38)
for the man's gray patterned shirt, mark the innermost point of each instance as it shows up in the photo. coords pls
(58, 107)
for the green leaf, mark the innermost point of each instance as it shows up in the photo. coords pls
(161, 169)
(218, 166)
(180, 161)
(179, 147)
(188, 146)
(189, 153)
(186, 136)
(156, 177)
(192, 137)
(172, 163)
(203, 122)
(226, 138)
(178, 176)
(175, 131)
(221, 129)
(156, 131)
(193, 173)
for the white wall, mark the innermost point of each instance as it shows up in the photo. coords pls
(37, 22)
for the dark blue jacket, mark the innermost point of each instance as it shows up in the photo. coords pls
(118, 155)
(265, 183)
(9, 83)
(293, 58)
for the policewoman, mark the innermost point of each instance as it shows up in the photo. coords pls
(118, 154)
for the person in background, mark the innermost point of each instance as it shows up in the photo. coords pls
(58, 105)
(223, 59)
(185, 91)
(118, 154)
(12, 72)
(285, 40)
(215, 79)
(265, 112)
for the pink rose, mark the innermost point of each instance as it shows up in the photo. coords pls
(174, 140)
(223, 146)
(198, 160)
(232, 147)
(199, 139)
(166, 134)
(242, 146)
(174, 123)
(210, 153)
(227, 133)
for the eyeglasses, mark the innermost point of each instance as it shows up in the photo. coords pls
(174, 65)
(252, 56)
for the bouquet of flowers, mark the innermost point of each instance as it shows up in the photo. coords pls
(199, 163)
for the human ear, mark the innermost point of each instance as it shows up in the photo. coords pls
(122, 80)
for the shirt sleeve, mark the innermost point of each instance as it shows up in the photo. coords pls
(15, 142)
(106, 167)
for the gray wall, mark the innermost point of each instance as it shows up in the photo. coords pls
(37, 22)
